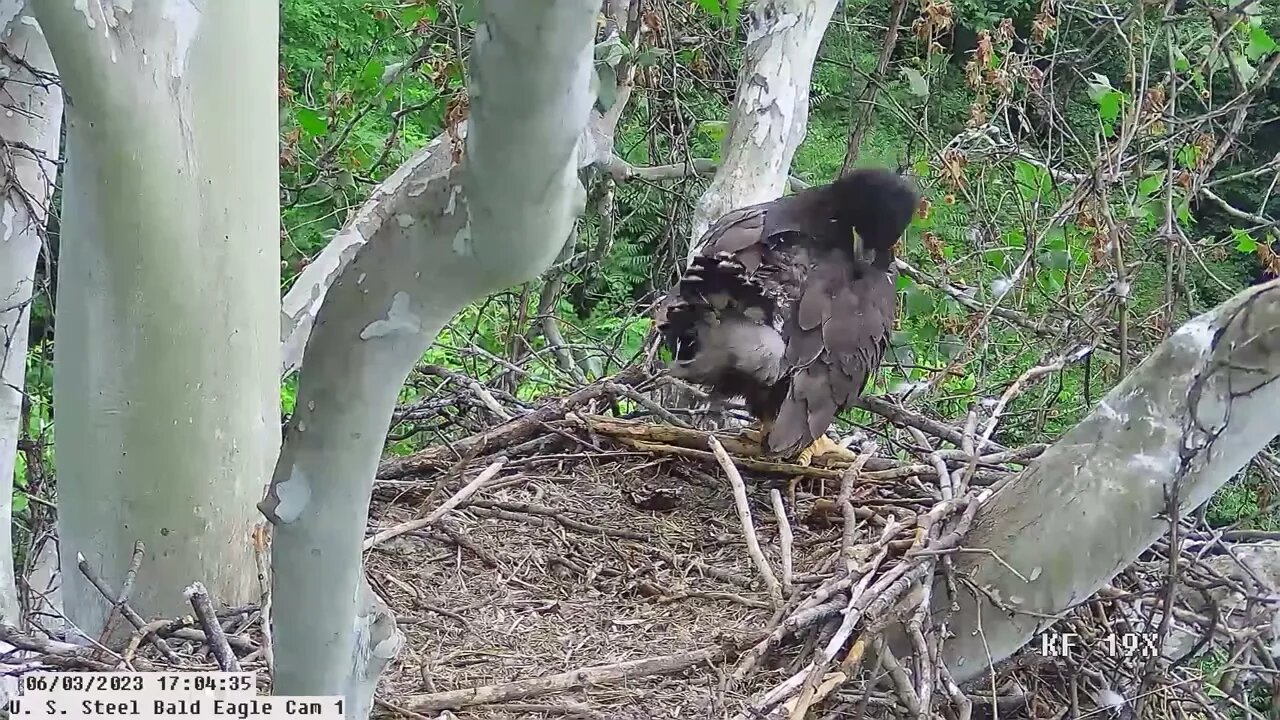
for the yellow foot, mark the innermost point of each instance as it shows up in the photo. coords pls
(823, 446)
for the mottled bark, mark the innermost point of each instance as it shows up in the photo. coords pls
(30, 124)
(425, 245)
(166, 382)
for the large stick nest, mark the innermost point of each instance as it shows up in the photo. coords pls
(569, 563)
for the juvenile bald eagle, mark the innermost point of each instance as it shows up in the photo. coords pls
(789, 306)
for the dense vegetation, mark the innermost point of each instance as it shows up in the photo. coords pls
(1075, 276)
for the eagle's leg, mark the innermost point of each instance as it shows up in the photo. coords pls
(821, 446)
(760, 434)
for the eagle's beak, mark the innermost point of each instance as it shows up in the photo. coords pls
(858, 247)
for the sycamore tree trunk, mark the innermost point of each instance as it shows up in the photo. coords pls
(427, 246)
(30, 125)
(166, 382)
(1182, 424)
(771, 108)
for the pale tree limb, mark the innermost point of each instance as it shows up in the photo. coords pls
(166, 394)
(771, 107)
(29, 130)
(306, 295)
(1185, 421)
(428, 246)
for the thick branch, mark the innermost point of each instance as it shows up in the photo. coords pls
(425, 246)
(771, 107)
(1185, 421)
(29, 128)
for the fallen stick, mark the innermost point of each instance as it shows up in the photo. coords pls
(128, 612)
(126, 589)
(203, 605)
(582, 677)
(505, 435)
(785, 537)
(82, 655)
(744, 517)
(693, 439)
(458, 498)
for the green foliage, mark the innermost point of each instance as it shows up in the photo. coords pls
(351, 110)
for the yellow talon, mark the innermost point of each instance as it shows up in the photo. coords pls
(823, 445)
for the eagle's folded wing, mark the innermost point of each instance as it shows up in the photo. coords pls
(835, 339)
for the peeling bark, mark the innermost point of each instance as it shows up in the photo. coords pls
(30, 126)
(771, 107)
(421, 249)
(166, 382)
(306, 295)
(1185, 421)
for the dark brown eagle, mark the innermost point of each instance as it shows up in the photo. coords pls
(789, 306)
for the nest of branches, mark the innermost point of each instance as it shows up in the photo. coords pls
(569, 562)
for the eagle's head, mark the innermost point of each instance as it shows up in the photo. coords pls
(873, 206)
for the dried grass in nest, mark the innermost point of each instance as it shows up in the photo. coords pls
(570, 564)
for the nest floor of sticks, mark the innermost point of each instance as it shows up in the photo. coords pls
(575, 564)
(568, 563)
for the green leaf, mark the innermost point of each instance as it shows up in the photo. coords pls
(711, 7)
(1109, 105)
(1244, 68)
(713, 130)
(650, 56)
(606, 86)
(1054, 239)
(917, 302)
(411, 15)
(1051, 282)
(1033, 181)
(468, 12)
(949, 346)
(1187, 156)
(916, 83)
(310, 121)
(1183, 212)
(900, 348)
(1244, 241)
(998, 260)
(1260, 44)
(1149, 184)
(611, 51)
(923, 334)
(1180, 61)
(371, 74)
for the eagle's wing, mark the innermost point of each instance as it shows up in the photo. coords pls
(835, 338)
